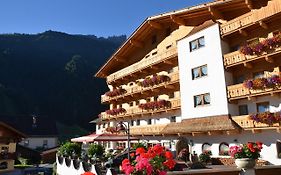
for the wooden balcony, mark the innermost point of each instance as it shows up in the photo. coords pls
(145, 63)
(147, 130)
(246, 123)
(256, 17)
(237, 58)
(137, 112)
(136, 92)
(238, 91)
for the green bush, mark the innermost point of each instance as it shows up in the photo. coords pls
(140, 144)
(95, 150)
(70, 149)
(205, 157)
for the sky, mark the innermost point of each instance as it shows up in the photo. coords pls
(95, 17)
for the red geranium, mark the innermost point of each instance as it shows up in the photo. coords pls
(156, 160)
(88, 173)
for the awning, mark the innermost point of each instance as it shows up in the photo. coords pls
(103, 137)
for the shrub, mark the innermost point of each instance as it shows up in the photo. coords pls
(205, 157)
(95, 150)
(70, 149)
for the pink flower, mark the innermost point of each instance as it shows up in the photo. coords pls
(162, 173)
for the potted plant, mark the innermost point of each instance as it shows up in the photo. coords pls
(246, 154)
(205, 157)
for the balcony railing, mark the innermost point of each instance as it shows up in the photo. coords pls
(238, 91)
(251, 18)
(235, 58)
(148, 129)
(144, 63)
(246, 123)
(174, 78)
(134, 111)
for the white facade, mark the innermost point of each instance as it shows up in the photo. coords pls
(213, 83)
(40, 142)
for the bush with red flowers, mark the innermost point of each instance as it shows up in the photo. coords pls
(155, 105)
(262, 83)
(266, 117)
(154, 161)
(154, 80)
(116, 111)
(258, 48)
(115, 92)
(249, 150)
(88, 173)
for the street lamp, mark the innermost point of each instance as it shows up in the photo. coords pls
(121, 126)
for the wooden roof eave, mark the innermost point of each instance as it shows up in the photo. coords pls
(165, 17)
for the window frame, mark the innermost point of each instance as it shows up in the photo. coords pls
(200, 72)
(220, 152)
(197, 44)
(262, 103)
(202, 97)
(173, 119)
(240, 111)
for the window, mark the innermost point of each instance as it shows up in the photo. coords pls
(26, 143)
(243, 109)
(149, 121)
(138, 122)
(206, 147)
(223, 149)
(258, 75)
(197, 43)
(239, 79)
(45, 143)
(262, 107)
(173, 119)
(200, 100)
(131, 104)
(137, 102)
(199, 72)
(98, 126)
(278, 147)
(132, 122)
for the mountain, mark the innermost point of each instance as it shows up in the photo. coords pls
(51, 74)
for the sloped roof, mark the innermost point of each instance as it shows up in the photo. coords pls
(31, 125)
(18, 133)
(192, 16)
(204, 124)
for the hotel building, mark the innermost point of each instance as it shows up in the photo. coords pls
(203, 78)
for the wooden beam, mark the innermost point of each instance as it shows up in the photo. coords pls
(177, 20)
(169, 86)
(155, 25)
(248, 65)
(249, 4)
(136, 43)
(243, 32)
(263, 25)
(168, 62)
(252, 98)
(268, 59)
(215, 13)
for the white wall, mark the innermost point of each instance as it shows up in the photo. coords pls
(214, 83)
(268, 137)
(35, 142)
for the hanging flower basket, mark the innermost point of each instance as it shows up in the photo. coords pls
(154, 105)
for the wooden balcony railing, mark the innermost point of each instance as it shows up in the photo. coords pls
(135, 111)
(147, 129)
(144, 63)
(238, 91)
(174, 78)
(246, 123)
(235, 58)
(253, 17)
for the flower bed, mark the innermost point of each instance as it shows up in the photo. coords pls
(154, 80)
(266, 117)
(115, 111)
(115, 92)
(155, 105)
(258, 48)
(262, 83)
(155, 161)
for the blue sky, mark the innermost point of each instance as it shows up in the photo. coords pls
(98, 17)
